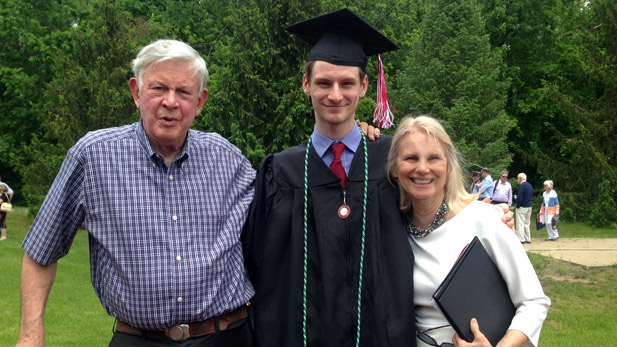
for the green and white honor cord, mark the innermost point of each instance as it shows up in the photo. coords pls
(363, 239)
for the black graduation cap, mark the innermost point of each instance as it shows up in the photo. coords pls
(341, 38)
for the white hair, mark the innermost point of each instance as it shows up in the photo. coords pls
(163, 50)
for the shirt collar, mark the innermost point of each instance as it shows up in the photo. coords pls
(143, 140)
(322, 143)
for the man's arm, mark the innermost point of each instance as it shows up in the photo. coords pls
(486, 184)
(36, 282)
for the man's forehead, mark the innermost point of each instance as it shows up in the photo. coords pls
(323, 69)
(172, 70)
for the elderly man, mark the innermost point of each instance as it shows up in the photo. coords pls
(164, 206)
(524, 199)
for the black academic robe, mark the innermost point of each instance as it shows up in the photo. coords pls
(273, 249)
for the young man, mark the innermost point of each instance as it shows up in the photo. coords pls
(325, 244)
(485, 187)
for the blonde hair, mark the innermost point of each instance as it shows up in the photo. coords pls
(456, 195)
(549, 183)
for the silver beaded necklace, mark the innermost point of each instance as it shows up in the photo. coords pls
(440, 217)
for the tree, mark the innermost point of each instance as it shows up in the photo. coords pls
(533, 37)
(26, 30)
(88, 91)
(453, 74)
(584, 148)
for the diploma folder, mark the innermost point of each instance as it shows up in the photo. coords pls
(474, 288)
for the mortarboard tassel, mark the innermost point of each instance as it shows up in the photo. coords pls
(382, 116)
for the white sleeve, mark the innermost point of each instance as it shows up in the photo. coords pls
(523, 284)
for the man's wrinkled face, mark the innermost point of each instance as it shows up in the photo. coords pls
(168, 101)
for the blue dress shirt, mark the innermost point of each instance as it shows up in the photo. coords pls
(322, 145)
(164, 241)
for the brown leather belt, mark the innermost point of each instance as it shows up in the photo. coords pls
(183, 332)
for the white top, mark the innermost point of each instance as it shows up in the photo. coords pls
(436, 253)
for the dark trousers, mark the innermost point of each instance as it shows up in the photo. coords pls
(237, 334)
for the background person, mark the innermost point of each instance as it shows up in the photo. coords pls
(442, 219)
(485, 187)
(549, 209)
(10, 191)
(524, 199)
(473, 187)
(502, 190)
(4, 197)
(165, 250)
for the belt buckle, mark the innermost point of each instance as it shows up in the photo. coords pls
(179, 332)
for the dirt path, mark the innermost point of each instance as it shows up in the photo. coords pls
(589, 252)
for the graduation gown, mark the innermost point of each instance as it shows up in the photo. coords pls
(273, 241)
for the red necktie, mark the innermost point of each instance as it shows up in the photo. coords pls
(336, 166)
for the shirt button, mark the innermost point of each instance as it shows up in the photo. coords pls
(178, 258)
(174, 217)
(171, 177)
(180, 299)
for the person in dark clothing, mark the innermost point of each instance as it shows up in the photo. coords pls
(524, 198)
(4, 197)
(325, 245)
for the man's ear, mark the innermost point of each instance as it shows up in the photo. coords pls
(364, 86)
(202, 101)
(134, 90)
(305, 86)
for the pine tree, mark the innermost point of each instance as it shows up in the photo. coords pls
(452, 73)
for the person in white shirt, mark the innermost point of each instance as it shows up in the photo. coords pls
(442, 218)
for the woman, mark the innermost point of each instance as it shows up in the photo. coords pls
(549, 210)
(4, 197)
(442, 219)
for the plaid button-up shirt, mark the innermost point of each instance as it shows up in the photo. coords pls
(164, 241)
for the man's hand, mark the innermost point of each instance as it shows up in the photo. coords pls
(370, 131)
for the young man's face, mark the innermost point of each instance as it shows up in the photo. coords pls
(335, 91)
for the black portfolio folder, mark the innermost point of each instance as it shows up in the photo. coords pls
(474, 288)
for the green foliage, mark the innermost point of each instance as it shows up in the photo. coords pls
(25, 63)
(453, 74)
(523, 86)
(88, 91)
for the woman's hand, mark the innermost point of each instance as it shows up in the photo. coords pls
(479, 340)
(370, 131)
(512, 338)
(508, 216)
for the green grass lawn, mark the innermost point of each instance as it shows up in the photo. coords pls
(74, 315)
(583, 311)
